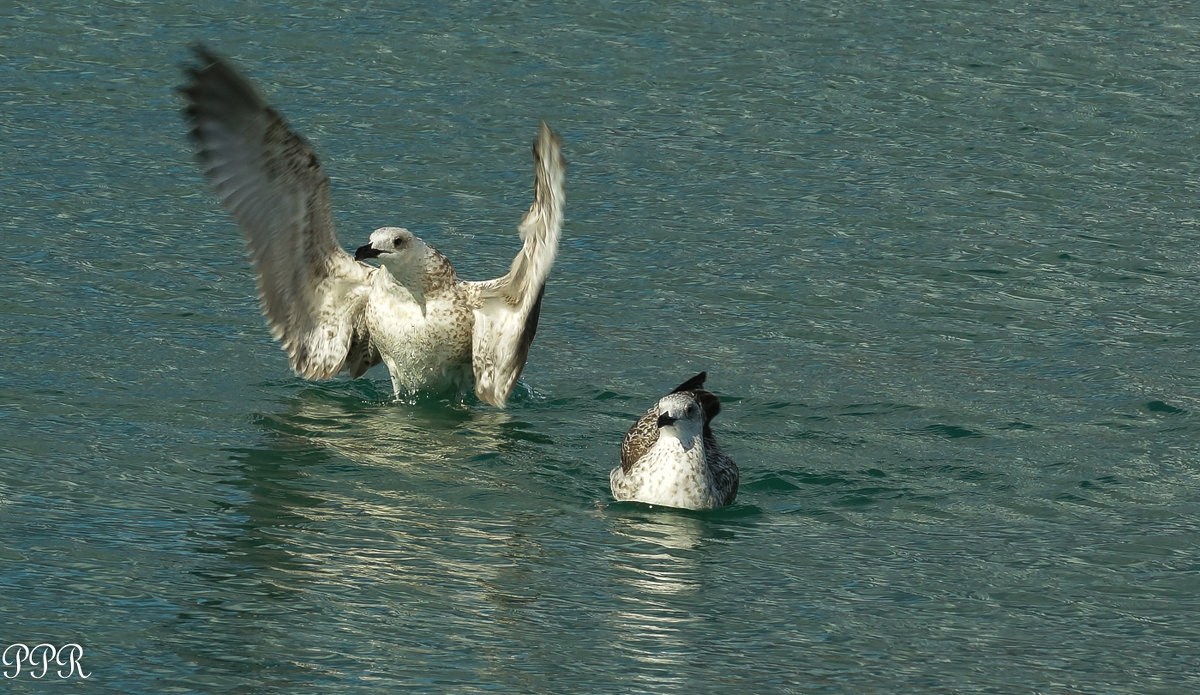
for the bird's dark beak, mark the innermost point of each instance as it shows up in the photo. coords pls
(365, 252)
(664, 420)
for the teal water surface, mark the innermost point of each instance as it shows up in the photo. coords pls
(939, 261)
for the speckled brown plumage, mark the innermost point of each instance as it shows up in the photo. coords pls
(687, 469)
(332, 312)
(644, 432)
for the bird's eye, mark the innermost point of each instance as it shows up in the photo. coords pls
(398, 241)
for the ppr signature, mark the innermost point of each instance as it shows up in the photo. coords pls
(20, 657)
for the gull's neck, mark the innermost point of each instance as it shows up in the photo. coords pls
(423, 274)
(691, 443)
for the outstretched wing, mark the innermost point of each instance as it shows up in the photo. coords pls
(270, 181)
(507, 316)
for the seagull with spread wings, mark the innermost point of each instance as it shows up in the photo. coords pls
(331, 311)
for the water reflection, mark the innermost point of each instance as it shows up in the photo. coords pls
(669, 529)
(252, 578)
(388, 433)
(664, 580)
(347, 497)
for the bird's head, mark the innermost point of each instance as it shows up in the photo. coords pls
(398, 249)
(680, 416)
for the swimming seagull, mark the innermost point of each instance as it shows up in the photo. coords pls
(670, 457)
(331, 311)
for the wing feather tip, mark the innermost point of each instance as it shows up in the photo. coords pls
(486, 391)
(693, 383)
